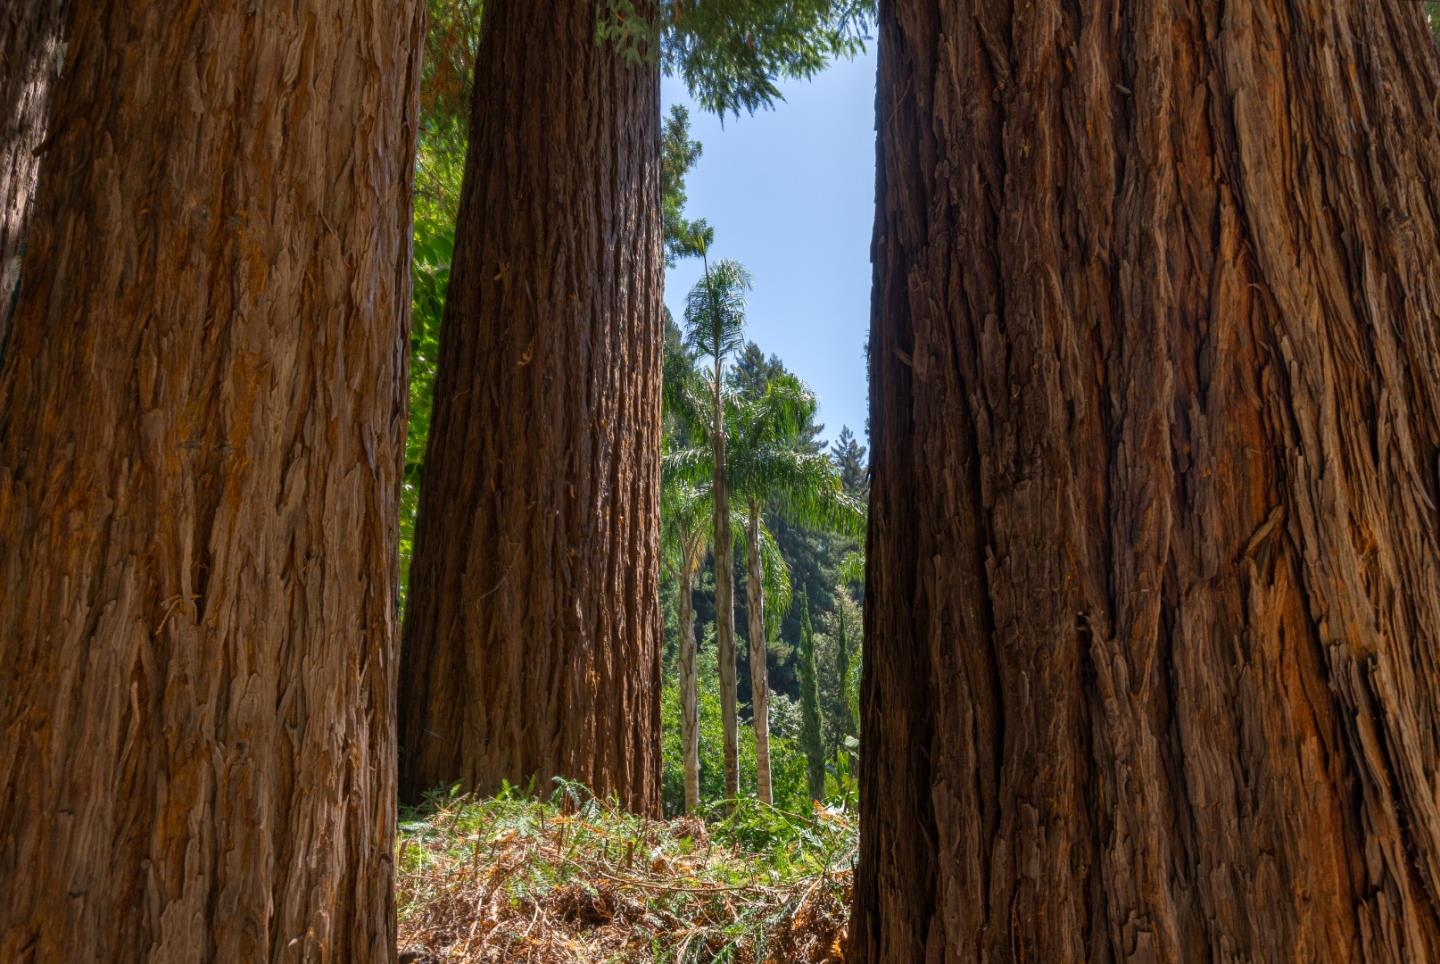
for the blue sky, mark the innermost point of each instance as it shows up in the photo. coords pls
(790, 193)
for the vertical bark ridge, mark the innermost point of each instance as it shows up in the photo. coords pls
(201, 426)
(1153, 594)
(532, 631)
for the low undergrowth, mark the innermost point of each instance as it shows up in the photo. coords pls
(572, 879)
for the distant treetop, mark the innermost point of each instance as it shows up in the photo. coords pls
(732, 53)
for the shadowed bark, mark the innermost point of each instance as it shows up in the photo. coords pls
(32, 49)
(1153, 598)
(201, 422)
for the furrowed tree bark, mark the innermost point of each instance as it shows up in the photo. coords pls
(532, 636)
(759, 675)
(1153, 594)
(201, 418)
(689, 688)
(31, 51)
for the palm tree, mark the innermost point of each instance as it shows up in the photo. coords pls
(687, 526)
(715, 323)
(772, 467)
(768, 466)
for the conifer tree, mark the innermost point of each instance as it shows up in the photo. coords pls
(811, 739)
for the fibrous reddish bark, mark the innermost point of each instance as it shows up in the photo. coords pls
(532, 631)
(201, 417)
(1153, 600)
(31, 51)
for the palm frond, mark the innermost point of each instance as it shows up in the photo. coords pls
(775, 573)
(715, 310)
(852, 567)
(802, 487)
(693, 465)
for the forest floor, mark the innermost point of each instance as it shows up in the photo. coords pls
(573, 880)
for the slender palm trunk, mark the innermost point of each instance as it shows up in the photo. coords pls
(724, 584)
(759, 676)
(689, 699)
(725, 605)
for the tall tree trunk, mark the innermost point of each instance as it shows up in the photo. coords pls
(759, 675)
(689, 695)
(32, 48)
(1153, 598)
(201, 423)
(725, 596)
(532, 634)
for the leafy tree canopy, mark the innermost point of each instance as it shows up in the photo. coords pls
(732, 53)
(678, 153)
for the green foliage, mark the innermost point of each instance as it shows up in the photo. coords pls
(811, 741)
(849, 456)
(787, 762)
(446, 88)
(779, 477)
(837, 653)
(766, 461)
(732, 53)
(715, 311)
(678, 153)
(434, 245)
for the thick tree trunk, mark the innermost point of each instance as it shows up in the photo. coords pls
(725, 599)
(689, 688)
(532, 636)
(759, 675)
(1153, 597)
(201, 418)
(32, 49)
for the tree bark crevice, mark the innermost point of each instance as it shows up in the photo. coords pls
(1162, 301)
(202, 406)
(532, 630)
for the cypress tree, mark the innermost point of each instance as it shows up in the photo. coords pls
(810, 740)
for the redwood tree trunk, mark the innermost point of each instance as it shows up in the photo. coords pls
(1153, 601)
(31, 50)
(201, 418)
(759, 674)
(689, 689)
(532, 635)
